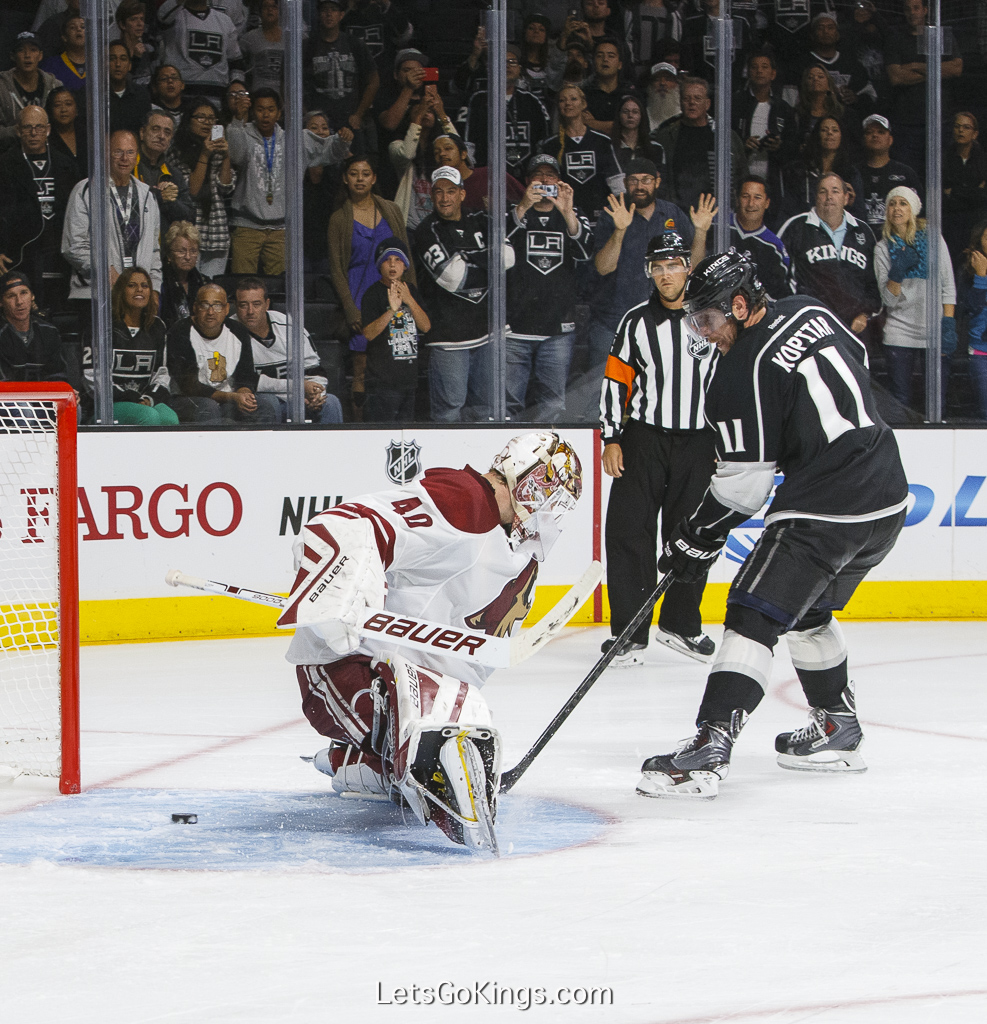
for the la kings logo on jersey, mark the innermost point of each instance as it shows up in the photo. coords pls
(518, 141)
(205, 48)
(792, 15)
(581, 166)
(403, 462)
(545, 250)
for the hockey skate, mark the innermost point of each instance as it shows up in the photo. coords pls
(829, 743)
(697, 766)
(629, 655)
(351, 775)
(699, 647)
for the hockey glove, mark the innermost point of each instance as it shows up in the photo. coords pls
(902, 263)
(687, 557)
(949, 339)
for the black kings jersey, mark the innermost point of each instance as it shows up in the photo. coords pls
(794, 393)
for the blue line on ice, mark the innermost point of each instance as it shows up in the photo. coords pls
(267, 831)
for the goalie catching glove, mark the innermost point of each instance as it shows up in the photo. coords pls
(339, 576)
(686, 556)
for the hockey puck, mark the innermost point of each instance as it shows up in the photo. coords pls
(184, 819)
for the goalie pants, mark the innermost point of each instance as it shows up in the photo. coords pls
(337, 703)
(799, 573)
(664, 472)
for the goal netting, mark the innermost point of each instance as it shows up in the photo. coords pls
(39, 731)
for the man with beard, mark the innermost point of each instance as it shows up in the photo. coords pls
(663, 94)
(620, 242)
(661, 457)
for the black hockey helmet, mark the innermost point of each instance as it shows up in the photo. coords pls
(667, 246)
(714, 283)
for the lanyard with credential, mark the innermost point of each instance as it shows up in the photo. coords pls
(269, 159)
(123, 210)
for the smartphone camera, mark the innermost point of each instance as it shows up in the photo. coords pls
(431, 74)
(217, 132)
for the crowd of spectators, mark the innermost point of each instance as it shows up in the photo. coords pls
(610, 132)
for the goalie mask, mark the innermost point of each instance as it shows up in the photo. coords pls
(545, 479)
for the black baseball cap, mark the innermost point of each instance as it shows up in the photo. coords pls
(25, 39)
(12, 279)
(641, 165)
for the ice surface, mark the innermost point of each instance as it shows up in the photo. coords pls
(790, 898)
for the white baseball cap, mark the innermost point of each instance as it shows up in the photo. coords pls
(450, 173)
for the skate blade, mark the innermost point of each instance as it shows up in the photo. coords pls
(847, 762)
(349, 794)
(699, 786)
(673, 645)
(635, 660)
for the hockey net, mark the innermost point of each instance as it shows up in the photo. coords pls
(39, 591)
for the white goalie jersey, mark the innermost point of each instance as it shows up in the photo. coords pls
(445, 557)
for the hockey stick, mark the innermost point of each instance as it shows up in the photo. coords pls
(421, 634)
(509, 778)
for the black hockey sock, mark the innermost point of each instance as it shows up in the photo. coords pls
(725, 692)
(823, 687)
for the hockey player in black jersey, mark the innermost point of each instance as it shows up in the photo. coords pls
(790, 392)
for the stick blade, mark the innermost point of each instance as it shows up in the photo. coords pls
(532, 641)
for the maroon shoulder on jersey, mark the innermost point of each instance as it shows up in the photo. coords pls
(464, 498)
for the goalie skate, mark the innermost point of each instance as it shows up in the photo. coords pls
(351, 775)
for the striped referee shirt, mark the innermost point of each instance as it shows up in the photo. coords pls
(650, 375)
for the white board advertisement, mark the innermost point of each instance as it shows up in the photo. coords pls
(228, 505)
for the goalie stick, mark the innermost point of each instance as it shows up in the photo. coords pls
(509, 778)
(421, 634)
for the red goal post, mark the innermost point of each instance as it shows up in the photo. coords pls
(39, 582)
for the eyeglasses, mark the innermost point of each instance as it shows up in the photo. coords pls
(211, 307)
(169, 78)
(512, 63)
(33, 129)
(185, 254)
(238, 94)
(205, 118)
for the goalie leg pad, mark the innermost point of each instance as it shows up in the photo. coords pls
(337, 699)
(442, 749)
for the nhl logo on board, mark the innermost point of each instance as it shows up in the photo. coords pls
(699, 348)
(403, 463)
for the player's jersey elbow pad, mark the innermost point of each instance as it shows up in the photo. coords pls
(742, 486)
(453, 274)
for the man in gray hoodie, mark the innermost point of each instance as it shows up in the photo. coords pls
(257, 153)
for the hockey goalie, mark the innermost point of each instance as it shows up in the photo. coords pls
(456, 547)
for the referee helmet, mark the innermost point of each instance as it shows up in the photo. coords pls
(667, 246)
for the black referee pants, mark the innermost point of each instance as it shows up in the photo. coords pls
(667, 473)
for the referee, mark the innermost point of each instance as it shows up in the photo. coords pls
(661, 458)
